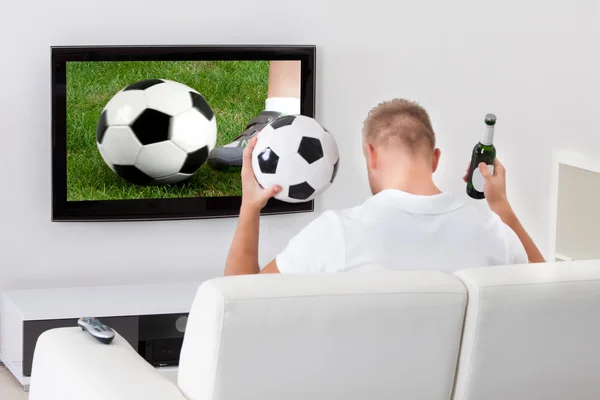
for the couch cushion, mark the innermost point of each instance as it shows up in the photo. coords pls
(385, 335)
(531, 332)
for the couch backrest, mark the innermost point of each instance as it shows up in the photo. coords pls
(385, 335)
(531, 332)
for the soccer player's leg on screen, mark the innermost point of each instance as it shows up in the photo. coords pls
(283, 95)
(283, 98)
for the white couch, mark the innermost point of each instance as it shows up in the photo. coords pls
(530, 332)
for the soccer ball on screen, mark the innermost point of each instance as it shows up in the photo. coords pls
(298, 154)
(156, 132)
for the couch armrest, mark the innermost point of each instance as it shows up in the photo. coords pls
(69, 364)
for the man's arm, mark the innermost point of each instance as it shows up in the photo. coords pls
(243, 254)
(495, 194)
(508, 216)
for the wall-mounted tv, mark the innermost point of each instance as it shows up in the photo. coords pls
(134, 126)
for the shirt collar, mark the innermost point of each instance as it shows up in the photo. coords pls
(416, 204)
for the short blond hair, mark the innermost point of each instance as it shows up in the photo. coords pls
(399, 121)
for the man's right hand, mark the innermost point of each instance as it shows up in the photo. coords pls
(495, 187)
(495, 194)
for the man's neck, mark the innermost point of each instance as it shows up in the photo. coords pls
(413, 182)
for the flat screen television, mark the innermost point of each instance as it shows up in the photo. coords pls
(134, 161)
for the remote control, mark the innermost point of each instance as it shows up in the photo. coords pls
(97, 329)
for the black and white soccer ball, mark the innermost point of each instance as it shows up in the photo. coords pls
(156, 132)
(298, 154)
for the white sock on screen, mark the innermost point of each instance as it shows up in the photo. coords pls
(284, 105)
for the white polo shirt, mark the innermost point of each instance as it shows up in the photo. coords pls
(399, 230)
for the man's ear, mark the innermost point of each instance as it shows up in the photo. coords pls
(435, 159)
(370, 156)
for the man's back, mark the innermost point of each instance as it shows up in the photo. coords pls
(398, 230)
(394, 229)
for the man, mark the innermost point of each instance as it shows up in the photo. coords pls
(407, 224)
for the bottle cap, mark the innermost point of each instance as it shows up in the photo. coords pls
(490, 119)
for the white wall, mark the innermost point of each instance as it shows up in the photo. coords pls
(533, 63)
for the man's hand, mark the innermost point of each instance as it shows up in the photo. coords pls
(495, 194)
(254, 197)
(495, 186)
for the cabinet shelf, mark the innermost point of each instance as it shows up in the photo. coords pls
(562, 257)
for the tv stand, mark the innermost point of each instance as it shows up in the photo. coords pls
(151, 318)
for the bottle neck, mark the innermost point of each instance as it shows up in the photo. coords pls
(488, 135)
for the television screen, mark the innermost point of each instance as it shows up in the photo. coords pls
(157, 132)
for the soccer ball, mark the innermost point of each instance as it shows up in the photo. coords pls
(156, 132)
(298, 154)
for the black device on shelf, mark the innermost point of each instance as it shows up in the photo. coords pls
(161, 337)
(232, 78)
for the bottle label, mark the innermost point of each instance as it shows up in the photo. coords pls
(478, 180)
(488, 136)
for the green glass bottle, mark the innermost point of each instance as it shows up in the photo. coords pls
(484, 152)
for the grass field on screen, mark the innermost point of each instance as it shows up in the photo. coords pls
(235, 90)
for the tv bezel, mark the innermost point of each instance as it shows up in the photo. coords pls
(161, 209)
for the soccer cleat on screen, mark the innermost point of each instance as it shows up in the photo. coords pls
(230, 156)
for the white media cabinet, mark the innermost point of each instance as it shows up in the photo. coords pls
(25, 314)
(574, 207)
